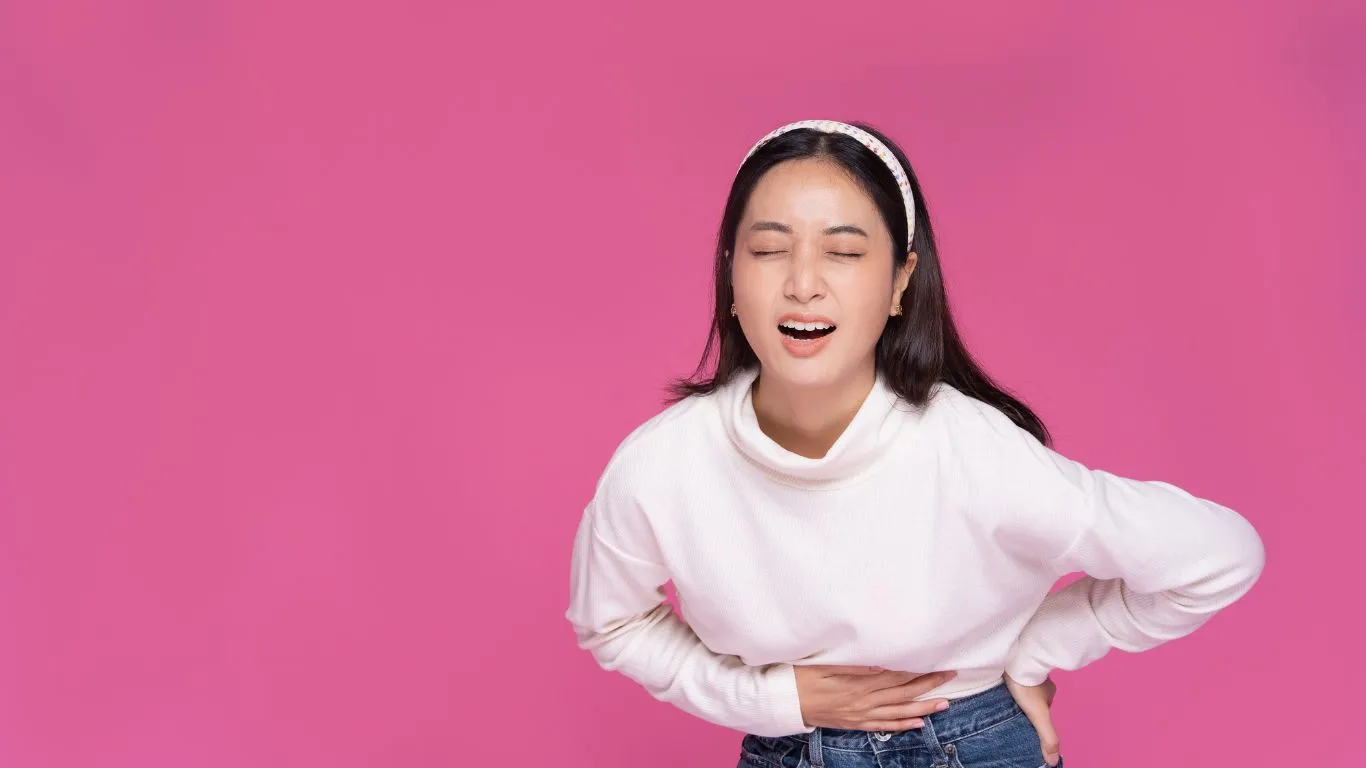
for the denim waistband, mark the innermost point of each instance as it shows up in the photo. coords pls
(964, 717)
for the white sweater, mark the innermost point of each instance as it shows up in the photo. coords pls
(923, 540)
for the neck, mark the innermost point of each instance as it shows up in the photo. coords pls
(808, 420)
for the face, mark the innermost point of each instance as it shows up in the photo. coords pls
(812, 248)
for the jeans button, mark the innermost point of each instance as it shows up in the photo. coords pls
(881, 735)
(949, 749)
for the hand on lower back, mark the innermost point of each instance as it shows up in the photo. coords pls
(1036, 701)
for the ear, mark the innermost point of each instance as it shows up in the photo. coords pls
(903, 278)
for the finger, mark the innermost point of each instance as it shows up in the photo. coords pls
(906, 711)
(1049, 741)
(890, 679)
(859, 670)
(913, 688)
(1042, 719)
(891, 725)
(831, 670)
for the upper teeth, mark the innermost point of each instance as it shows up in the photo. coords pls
(807, 326)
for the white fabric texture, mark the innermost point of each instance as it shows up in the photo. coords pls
(925, 539)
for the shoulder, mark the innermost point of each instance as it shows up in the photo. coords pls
(982, 445)
(1031, 497)
(967, 421)
(643, 466)
(656, 445)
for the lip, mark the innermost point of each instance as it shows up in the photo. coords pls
(807, 348)
(804, 317)
(799, 348)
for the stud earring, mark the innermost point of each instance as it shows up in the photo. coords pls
(733, 313)
(896, 311)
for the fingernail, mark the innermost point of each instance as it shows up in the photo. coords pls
(941, 706)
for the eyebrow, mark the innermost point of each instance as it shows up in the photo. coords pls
(778, 226)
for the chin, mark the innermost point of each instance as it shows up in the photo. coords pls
(810, 372)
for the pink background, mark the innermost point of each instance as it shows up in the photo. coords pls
(317, 324)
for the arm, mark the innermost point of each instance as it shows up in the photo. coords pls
(618, 611)
(1160, 562)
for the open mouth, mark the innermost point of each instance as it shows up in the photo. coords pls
(806, 331)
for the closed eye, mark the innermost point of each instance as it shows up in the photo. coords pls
(832, 253)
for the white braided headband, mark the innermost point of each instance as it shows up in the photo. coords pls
(866, 139)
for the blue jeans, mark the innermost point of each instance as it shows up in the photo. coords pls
(984, 730)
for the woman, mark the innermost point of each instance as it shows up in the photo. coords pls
(862, 528)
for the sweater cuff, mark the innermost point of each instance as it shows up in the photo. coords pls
(779, 704)
(1062, 634)
(1026, 670)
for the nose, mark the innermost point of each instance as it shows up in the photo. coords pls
(804, 280)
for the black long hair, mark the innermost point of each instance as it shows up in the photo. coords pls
(919, 347)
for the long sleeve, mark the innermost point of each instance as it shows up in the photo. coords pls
(619, 613)
(1159, 562)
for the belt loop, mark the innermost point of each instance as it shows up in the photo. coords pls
(814, 752)
(937, 753)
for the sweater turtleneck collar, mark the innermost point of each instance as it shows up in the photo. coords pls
(864, 442)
